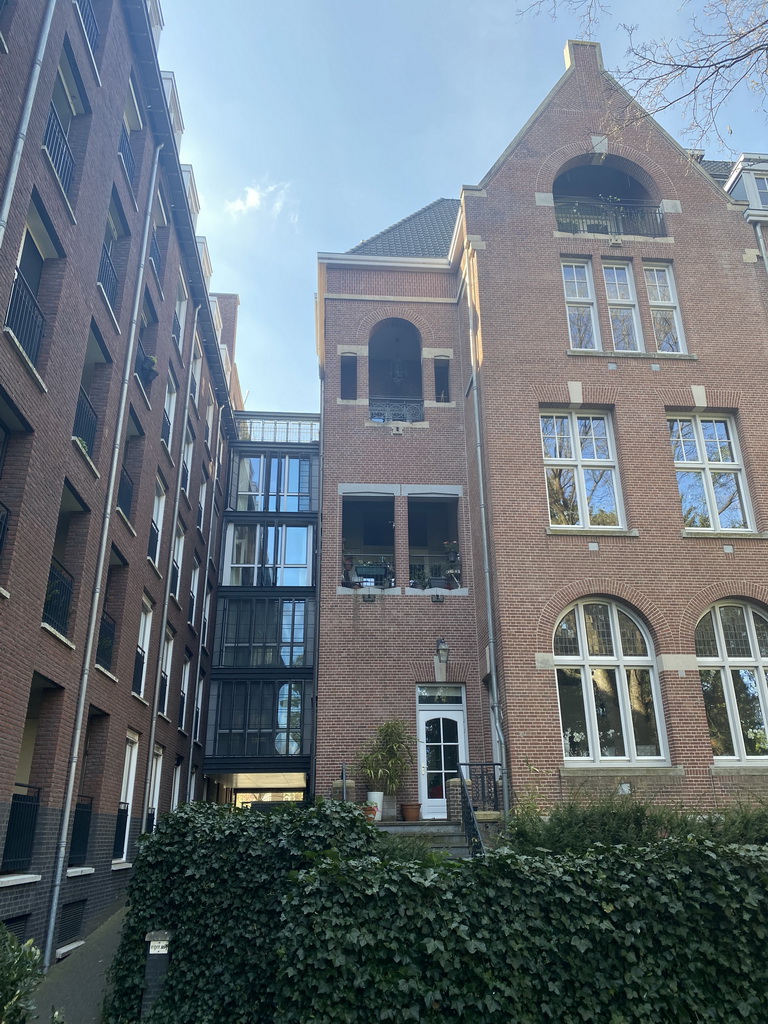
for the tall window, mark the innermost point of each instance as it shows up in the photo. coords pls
(348, 382)
(582, 479)
(186, 457)
(197, 369)
(732, 649)
(275, 483)
(606, 683)
(142, 648)
(169, 409)
(580, 305)
(665, 315)
(194, 583)
(184, 693)
(622, 307)
(710, 477)
(178, 556)
(442, 379)
(761, 182)
(156, 526)
(67, 104)
(122, 824)
(254, 633)
(165, 672)
(266, 555)
(259, 718)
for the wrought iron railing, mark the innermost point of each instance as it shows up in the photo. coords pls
(579, 217)
(125, 493)
(176, 331)
(165, 429)
(121, 830)
(150, 823)
(363, 570)
(25, 318)
(484, 776)
(388, 410)
(256, 428)
(126, 153)
(57, 145)
(5, 515)
(105, 648)
(469, 821)
(22, 822)
(107, 276)
(162, 700)
(184, 475)
(81, 830)
(154, 254)
(89, 23)
(435, 572)
(153, 547)
(137, 683)
(86, 421)
(58, 597)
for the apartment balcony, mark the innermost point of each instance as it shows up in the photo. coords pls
(145, 366)
(125, 493)
(5, 515)
(588, 217)
(436, 572)
(22, 822)
(273, 727)
(105, 648)
(56, 143)
(81, 830)
(126, 153)
(89, 23)
(121, 831)
(107, 276)
(388, 410)
(366, 570)
(25, 318)
(86, 421)
(58, 597)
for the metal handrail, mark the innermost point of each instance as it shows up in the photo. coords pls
(404, 410)
(125, 493)
(58, 597)
(89, 23)
(580, 216)
(57, 146)
(126, 152)
(20, 834)
(25, 318)
(475, 842)
(5, 515)
(107, 276)
(86, 421)
(121, 829)
(105, 648)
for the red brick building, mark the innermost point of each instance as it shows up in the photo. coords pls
(115, 370)
(560, 375)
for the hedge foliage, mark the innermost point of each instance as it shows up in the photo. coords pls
(294, 918)
(20, 974)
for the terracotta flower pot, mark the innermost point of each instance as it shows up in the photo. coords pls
(410, 812)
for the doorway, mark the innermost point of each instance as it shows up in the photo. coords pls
(442, 744)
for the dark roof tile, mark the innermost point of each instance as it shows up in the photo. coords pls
(426, 233)
(718, 169)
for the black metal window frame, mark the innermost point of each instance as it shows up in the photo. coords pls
(260, 632)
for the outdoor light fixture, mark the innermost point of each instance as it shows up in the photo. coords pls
(442, 650)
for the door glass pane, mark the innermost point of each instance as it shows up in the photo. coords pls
(717, 713)
(440, 695)
(598, 625)
(608, 713)
(435, 790)
(451, 759)
(432, 730)
(450, 730)
(575, 739)
(643, 712)
(434, 758)
(750, 713)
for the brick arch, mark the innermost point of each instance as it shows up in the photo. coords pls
(739, 590)
(661, 635)
(366, 325)
(636, 162)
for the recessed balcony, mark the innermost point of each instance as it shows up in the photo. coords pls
(588, 217)
(24, 318)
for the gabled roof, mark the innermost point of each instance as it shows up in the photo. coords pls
(720, 170)
(426, 233)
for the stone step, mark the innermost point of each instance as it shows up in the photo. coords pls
(442, 836)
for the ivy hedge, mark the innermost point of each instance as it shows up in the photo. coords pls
(296, 918)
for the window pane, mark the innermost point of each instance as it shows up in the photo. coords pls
(601, 497)
(609, 728)
(761, 628)
(717, 713)
(580, 327)
(716, 441)
(450, 730)
(617, 283)
(730, 507)
(569, 687)
(665, 330)
(683, 440)
(623, 329)
(657, 283)
(643, 712)
(750, 712)
(296, 545)
(598, 625)
(566, 637)
(593, 437)
(706, 644)
(693, 498)
(632, 640)
(575, 280)
(735, 633)
(563, 503)
(556, 437)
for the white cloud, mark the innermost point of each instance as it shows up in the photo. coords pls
(269, 198)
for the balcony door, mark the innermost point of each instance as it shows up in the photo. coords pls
(442, 744)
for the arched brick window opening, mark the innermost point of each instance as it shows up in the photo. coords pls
(613, 197)
(394, 372)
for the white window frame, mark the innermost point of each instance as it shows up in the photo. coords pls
(128, 783)
(156, 776)
(202, 497)
(580, 466)
(709, 468)
(762, 194)
(198, 712)
(194, 584)
(178, 556)
(184, 694)
(166, 669)
(581, 297)
(176, 785)
(667, 306)
(143, 641)
(206, 615)
(623, 300)
(169, 406)
(621, 664)
(186, 457)
(197, 368)
(158, 513)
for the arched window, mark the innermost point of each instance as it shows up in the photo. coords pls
(394, 372)
(606, 680)
(605, 199)
(732, 649)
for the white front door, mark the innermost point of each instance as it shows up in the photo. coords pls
(442, 745)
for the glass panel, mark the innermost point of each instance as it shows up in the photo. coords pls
(761, 628)
(693, 499)
(556, 437)
(598, 625)
(450, 730)
(617, 283)
(434, 758)
(451, 758)
(735, 633)
(440, 695)
(296, 545)
(665, 330)
(580, 327)
(563, 502)
(593, 437)
(609, 728)
(601, 497)
(683, 438)
(706, 643)
(632, 639)
(576, 281)
(432, 731)
(730, 507)
(658, 284)
(569, 688)
(623, 328)
(435, 789)
(566, 636)
(717, 712)
(716, 441)
(643, 713)
(750, 712)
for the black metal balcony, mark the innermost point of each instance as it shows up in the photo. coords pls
(165, 429)
(22, 821)
(587, 217)
(145, 366)
(200, 516)
(121, 829)
(184, 476)
(176, 332)
(105, 648)
(153, 547)
(86, 421)
(5, 515)
(108, 276)
(193, 386)
(387, 410)
(125, 151)
(58, 597)
(191, 612)
(137, 684)
(25, 318)
(89, 23)
(125, 493)
(175, 578)
(154, 254)
(81, 830)
(57, 145)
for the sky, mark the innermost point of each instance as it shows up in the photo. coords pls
(313, 124)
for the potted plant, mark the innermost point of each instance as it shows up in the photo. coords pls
(451, 550)
(384, 763)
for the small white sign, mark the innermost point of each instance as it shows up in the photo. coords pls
(159, 947)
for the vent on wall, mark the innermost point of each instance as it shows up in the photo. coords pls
(71, 921)
(18, 926)
(397, 428)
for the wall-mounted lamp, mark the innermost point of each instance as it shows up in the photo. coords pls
(442, 650)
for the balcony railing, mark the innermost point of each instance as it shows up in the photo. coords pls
(184, 476)
(145, 366)
(125, 151)
(85, 421)
(154, 254)
(191, 612)
(255, 428)
(363, 570)
(175, 579)
(108, 276)
(22, 821)
(105, 648)
(193, 386)
(182, 709)
(89, 23)
(435, 572)
(165, 429)
(25, 318)
(162, 702)
(200, 516)
(176, 332)
(57, 145)
(125, 493)
(81, 830)
(5, 515)
(153, 547)
(584, 217)
(121, 830)
(388, 410)
(137, 684)
(58, 597)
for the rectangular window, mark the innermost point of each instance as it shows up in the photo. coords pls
(665, 314)
(156, 777)
(183, 693)
(761, 181)
(67, 104)
(266, 555)
(581, 473)
(112, 252)
(142, 649)
(25, 319)
(710, 476)
(622, 307)
(260, 718)
(348, 389)
(165, 673)
(169, 409)
(122, 824)
(193, 586)
(199, 690)
(156, 526)
(197, 369)
(442, 379)
(253, 633)
(178, 555)
(276, 483)
(186, 457)
(206, 615)
(580, 305)
(179, 313)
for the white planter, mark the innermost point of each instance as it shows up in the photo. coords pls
(378, 800)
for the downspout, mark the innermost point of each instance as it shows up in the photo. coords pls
(495, 707)
(167, 589)
(93, 615)
(26, 114)
(318, 560)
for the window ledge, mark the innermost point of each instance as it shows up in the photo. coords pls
(64, 196)
(121, 865)
(78, 872)
(85, 457)
(70, 947)
(144, 394)
(162, 714)
(603, 354)
(108, 304)
(376, 591)
(583, 531)
(29, 366)
(20, 879)
(431, 591)
(3, 44)
(167, 451)
(155, 567)
(125, 519)
(651, 239)
(438, 405)
(691, 531)
(175, 601)
(585, 771)
(742, 768)
(5, 593)
(140, 699)
(59, 636)
(185, 496)
(106, 672)
(403, 424)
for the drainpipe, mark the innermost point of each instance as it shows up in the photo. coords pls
(495, 707)
(93, 615)
(167, 589)
(318, 560)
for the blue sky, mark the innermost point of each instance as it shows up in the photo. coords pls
(312, 124)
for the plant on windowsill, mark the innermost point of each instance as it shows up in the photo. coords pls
(385, 761)
(451, 550)
(419, 579)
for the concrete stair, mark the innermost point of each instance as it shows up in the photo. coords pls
(445, 836)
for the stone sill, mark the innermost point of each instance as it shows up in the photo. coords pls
(85, 457)
(29, 366)
(63, 951)
(105, 672)
(431, 591)
(5, 593)
(566, 771)
(125, 519)
(383, 591)
(78, 872)
(59, 636)
(601, 353)
(691, 531)
(121, 865)
(8, 880)
(743, 768)
(140, 699)
(581, 531)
